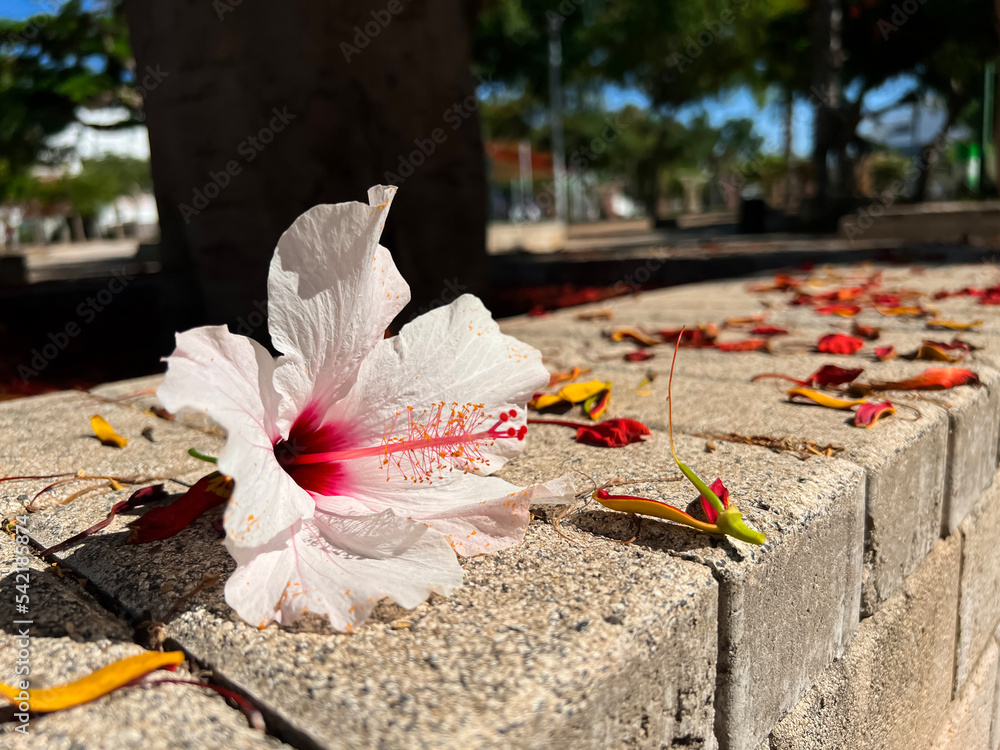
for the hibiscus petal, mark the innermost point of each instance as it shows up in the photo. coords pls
(474, 526)
(340, 567)
(332, 291)
(453, 355)
(229, 378)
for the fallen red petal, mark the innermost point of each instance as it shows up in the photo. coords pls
(829, 375)
(747, 345)
(884, 353)
(868, 414)
(163, 523)
(768, 331)
(839, 343)
(640, 356)
(871, 333)
(611, 433)
(720, 492)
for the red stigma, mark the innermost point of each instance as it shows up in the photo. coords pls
(504, 417)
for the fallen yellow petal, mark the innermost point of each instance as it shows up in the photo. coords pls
(544, 401)
(106, 433)
(94, 685)
(823, 399)
(577, 392)
(953, 325)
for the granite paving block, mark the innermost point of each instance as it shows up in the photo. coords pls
(979, 599)
(786, 609)
(892, 688)
(71, 636)
(52, 435)
(548, 644)
(970, 717)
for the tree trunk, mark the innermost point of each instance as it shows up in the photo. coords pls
(259, 115)
(790, 187)
(826, 97)
(77, 231)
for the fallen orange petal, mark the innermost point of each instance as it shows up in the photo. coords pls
(844, 311)
(953, 325)
(562, 377)
(636, 335)
(895, 312)
(937, 352)
(932, 379)
(94, 685)
(106, 433)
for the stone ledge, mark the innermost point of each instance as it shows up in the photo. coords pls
(584, 646)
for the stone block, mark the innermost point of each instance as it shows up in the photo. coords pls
(970, 716)
(979, 599)
(892, 688)
(786, 609)
(71, 636)
(904, 462)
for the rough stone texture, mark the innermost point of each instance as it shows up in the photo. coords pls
(549, 644)
(995, 726)
(970, 716)
(892, 688)
(786, 609)
(904, 462)
(979, 600)
(71, 637)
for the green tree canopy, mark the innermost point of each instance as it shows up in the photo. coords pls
(51, 66)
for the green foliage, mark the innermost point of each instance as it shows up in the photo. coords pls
(50, 67)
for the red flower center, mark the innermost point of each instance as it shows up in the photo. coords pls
(309, 436)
